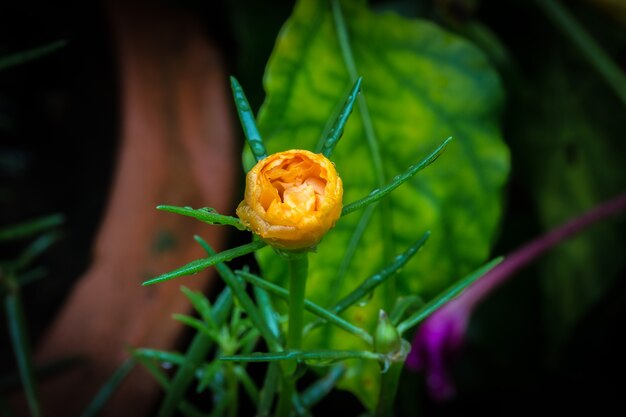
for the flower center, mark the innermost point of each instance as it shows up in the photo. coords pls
(297, 186)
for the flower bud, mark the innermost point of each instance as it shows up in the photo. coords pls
(386, 338)
(292, 199)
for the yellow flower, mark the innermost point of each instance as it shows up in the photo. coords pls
(292, 199)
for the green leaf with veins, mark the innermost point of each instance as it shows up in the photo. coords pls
(422, 85)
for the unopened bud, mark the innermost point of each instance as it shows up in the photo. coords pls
(386, 339)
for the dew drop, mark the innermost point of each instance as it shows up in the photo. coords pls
(257, 148)
(363, 302)
(242, 102)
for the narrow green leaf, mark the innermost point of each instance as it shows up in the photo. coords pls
(298, 406)
(316, 357)
(206, 215)
(266, 308)
(209, 375)
(452, 291)
(404, 304)
(35, 249)
(247, 383)
(31, 228)
(244, 299)
(353, 244)
(199, 325)
(243, 328)
(196, 353)
(237, 325)
(249, 340)
(160, 355)
(323, 386)
(230, 402)
(248, 123)
(397, 181)
(183, 406)
(202, 371)
(268, 391)
(308, 305)
(201, 344)
(21, 348)
(198, 265)
(25, 56)
(99, 401)
(336, 130)
(364, 290)
(202, 305)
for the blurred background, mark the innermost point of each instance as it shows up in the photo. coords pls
(68, 145)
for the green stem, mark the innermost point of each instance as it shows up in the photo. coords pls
(298, 271)
(602, 62)
(31, 228)
(372, 142)
(324, 314)
(388, 390)
(284, 401)
(247, 383)
(348, 58)
(266, 395)
(233, 389)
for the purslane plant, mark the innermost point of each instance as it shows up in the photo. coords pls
(292, 199)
